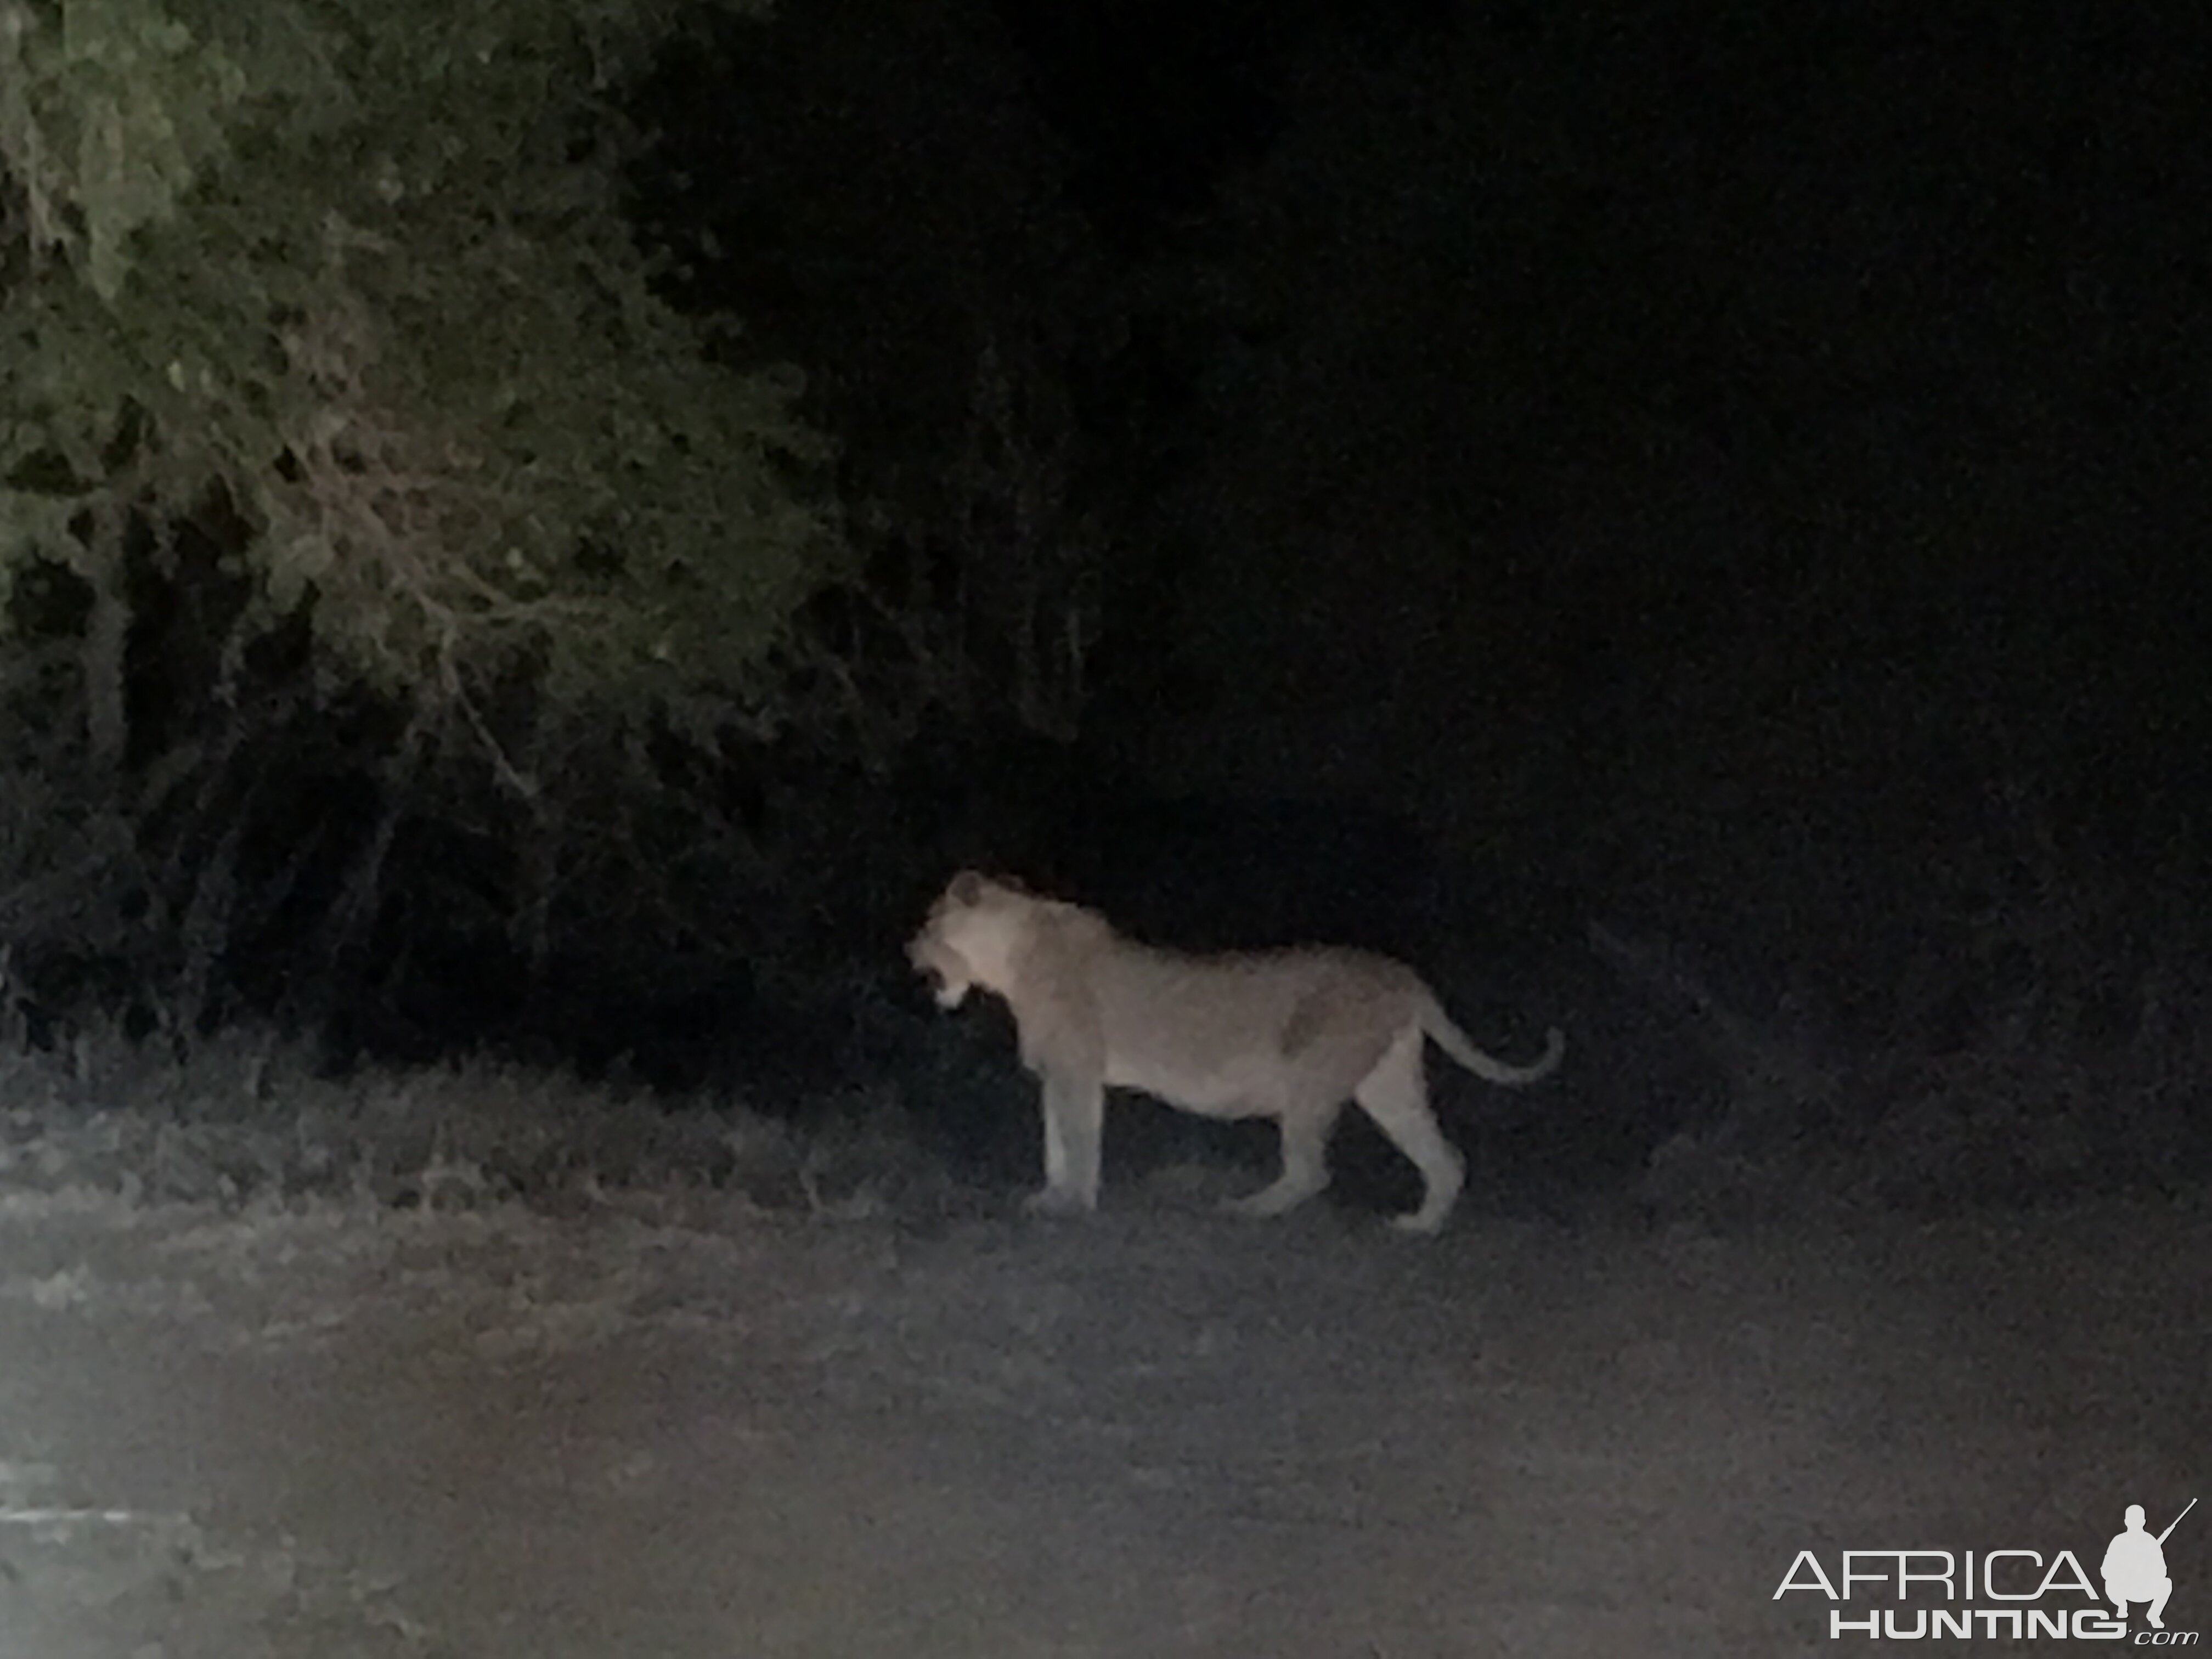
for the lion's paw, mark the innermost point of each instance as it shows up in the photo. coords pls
(1058, 1202)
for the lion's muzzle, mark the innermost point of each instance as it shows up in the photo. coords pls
(947, 974)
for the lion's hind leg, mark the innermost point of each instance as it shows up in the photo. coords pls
(1395, 1093)
(1305, 1164)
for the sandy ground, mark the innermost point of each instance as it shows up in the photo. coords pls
(649, 1431)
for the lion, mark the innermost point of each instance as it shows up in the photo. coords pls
(1286, 1034)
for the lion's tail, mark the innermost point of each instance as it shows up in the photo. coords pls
(1457, 1043)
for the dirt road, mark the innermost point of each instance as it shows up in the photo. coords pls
(681, 1433)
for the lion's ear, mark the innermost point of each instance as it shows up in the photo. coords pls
(966, 888)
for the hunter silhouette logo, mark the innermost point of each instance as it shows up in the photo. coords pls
(2134, 1566)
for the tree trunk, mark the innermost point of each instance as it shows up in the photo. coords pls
(107, 639)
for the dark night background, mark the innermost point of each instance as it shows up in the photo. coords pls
(1734, 472)
(1439, 477)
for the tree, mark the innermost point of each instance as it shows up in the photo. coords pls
(358, 272)
(341, 293)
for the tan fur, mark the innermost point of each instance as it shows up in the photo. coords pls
(1290, 1035)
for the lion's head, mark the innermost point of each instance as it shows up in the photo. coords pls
(971, 937)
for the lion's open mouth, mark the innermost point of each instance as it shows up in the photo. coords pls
(930, 965)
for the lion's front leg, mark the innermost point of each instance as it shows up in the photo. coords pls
(1075, 1119)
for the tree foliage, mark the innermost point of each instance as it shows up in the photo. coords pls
(873, 187)
(358, 272)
